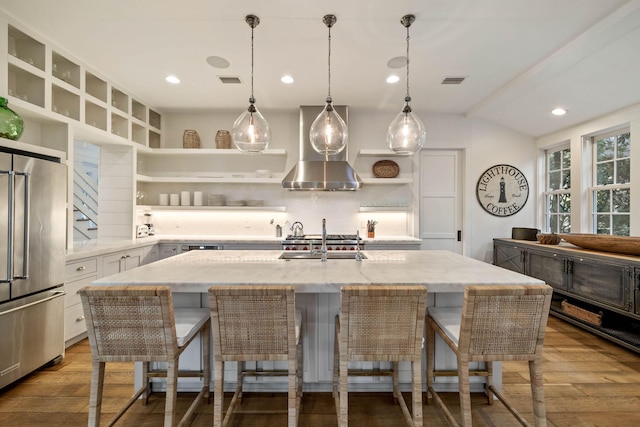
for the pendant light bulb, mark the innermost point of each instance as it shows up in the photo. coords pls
(328, 133)
(406, 133)
(251, 133)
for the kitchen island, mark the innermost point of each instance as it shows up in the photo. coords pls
(317, 284)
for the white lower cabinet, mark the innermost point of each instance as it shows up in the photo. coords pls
(81, 273)
(78, 274)
(121, 261)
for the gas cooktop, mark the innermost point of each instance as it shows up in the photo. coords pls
(319, 237)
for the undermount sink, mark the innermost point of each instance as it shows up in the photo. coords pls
(330, 255)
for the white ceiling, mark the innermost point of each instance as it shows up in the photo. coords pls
(521, 58)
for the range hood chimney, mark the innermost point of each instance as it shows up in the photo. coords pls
(315, 171)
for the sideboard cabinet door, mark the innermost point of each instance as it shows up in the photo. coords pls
(509, 256)
(547, 266)
(606, 282)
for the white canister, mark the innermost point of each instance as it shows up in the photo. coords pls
(197, 198)
(174, 200)
(185, 198)
(163, 199)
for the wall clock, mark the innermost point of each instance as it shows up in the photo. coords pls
(502, 190)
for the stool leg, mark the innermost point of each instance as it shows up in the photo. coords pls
(416, 394)
(430, 344)
(343, 420)
(537, 392)
(171, 396)
(292, 398)
(489, 384)
(218, 392)
(464, 391)
(95, 399)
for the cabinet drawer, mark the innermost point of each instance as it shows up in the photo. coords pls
(74, 323)
(72, 287)
(80, 268)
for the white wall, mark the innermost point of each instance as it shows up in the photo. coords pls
(484, 145)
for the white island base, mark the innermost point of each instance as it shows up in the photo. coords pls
(318, 284)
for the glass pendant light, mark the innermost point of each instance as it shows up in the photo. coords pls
(328, 133)
(250, 132)
(406, 133)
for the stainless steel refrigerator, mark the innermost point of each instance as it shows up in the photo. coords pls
(32, 252)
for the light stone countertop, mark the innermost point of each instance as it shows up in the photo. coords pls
(195, 271)
(90, 248)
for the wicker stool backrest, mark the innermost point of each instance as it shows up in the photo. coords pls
(253, 322)
(130, 323)
(507, 322)
(382, 322)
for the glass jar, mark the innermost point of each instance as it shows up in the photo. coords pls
(11, 124)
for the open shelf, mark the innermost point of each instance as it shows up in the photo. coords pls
(119, 125)
(119, 100)
(65, 70)
(380, 153)
(26, 48)
(25, 86)
(139, 111)
(216, 208)
(65, 103)
(138, 134)
(95, 87)
(155, 119)
(95, 115)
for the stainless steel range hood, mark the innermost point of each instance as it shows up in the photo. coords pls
(317, 172)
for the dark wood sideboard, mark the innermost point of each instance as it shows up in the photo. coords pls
(598, 291)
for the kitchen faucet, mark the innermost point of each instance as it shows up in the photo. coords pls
(323, 249)
(358, 254)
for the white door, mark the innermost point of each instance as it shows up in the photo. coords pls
(441, 200)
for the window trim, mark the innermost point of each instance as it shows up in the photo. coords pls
(593, 186)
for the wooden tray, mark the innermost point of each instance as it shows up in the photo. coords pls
(603, 242)
(386, 169)
(582, 314)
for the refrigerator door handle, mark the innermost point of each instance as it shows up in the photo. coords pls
(10, 175)
(25, 237)
(54, 295)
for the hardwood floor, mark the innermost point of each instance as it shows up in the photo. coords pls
(588, 382)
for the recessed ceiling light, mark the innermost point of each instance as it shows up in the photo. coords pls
(217, 62)
(287, 79)
(393, 79)
(172, 79)
(397, 62)
(559, 111)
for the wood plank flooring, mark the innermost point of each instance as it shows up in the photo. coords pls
(588, 382)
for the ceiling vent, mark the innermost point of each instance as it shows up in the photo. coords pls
(229, 80)
(452, 80)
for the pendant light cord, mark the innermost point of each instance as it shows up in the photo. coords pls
(252, 100)
(408, 96)
(329, 67)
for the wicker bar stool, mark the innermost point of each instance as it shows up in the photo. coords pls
(380, 323)
(139, 324)
(496, 323)
(255, 323)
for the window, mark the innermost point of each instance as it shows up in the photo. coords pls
(557, 190)
(611, 188)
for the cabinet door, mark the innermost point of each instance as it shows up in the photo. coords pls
(548, 266)
(168, 250)
(112, 264)
(133, 259)
(508, 256)
(636, 287)
(601, 281)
